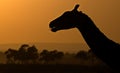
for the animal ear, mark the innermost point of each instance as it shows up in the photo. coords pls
(76, 7)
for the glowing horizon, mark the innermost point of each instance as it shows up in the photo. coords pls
(24, 21)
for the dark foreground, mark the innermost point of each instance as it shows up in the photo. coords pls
(53, 69)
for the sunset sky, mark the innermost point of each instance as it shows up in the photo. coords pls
(24, 21)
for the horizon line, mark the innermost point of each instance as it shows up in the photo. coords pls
(45, 42)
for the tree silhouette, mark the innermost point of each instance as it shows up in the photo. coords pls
(82, 55)
(45, 56)
(11, 55)
(29, 55)
(48, 56)
(22, 53)
(56, 54)
(60, 55)
(53, 55)
(32, 54)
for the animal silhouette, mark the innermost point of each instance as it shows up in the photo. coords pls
(104, 48)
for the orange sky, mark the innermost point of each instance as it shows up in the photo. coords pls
(23, 21)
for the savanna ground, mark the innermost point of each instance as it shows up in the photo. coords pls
(29, 60)
(60, 68)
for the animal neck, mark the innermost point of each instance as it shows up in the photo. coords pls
(95, 39)
(104, 48)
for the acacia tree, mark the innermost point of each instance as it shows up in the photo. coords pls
(56, 55)
(59, 55)
(82, 55)
(11, 55)
(48, 56)
(22, 53)
(44, 56)
(29, 55)
(32, 54)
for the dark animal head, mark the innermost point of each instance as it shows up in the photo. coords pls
(66, 21)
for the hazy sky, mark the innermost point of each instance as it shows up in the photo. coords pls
(23, 21)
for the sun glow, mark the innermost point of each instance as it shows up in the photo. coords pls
(27, 21)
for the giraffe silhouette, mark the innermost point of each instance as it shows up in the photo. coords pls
(104, 48)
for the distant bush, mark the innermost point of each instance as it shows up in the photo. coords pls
(29, 55)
